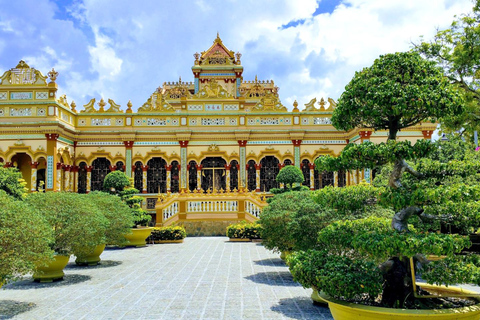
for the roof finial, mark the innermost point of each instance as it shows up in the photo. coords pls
(218, 40)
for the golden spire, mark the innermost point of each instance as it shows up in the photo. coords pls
(129, 107)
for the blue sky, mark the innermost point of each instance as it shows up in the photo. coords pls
(124, 50)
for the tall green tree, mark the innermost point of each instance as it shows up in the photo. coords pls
(457, 51)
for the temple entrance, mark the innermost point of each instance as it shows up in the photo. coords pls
(213, 174)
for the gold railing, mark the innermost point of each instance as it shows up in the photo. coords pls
(210, 205)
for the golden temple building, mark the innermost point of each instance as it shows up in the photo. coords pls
(207, 150)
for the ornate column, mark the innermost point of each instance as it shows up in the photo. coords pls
(280, 166)
(169, 177)
(296, 152)
(335, 178)
(144, 182)
(199, 176)
(33, 181)
(112, 168)
(74, 178)
(242, 179)
(58, 186)
(227, 177)
(183, 165)
(66, 178)
(257, 168)
(312, 176)
(365, 136)
(128, 157)
(89, 178)
(52, 159)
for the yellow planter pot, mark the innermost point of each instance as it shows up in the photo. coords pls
(342, 310)
(168, 241)
(239, 240)
(52, 271)
(317, 299)
(138, 236)
(92, 259)
(284, 255)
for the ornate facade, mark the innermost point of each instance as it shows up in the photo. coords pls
(216, 135)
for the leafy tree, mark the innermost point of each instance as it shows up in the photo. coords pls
(399, 90)
(457, 51)
(12, 183)
(290, 175)
(25, 238)
(116, 180)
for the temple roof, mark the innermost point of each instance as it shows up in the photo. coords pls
(217, 49)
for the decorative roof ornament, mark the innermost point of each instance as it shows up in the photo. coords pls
(89, 107)
(295, 106)
(156, 103)
(238, 55)
(113, 106)
(129, 107)
(322, 104)
(332, 104)
(269, 102)
(196, 55)
(101, 104)
(73, 105)
(52, 75)
(212, 91)
(63, 100)
(22, 74)
(311, 105)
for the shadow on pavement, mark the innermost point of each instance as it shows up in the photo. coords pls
(102, 264)
(275, 262)
(28, 283)
(274, 278)
(301, 308)
(10, 308)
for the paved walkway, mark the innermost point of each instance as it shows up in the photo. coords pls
(203, 278)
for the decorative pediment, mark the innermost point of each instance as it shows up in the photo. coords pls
(156, 103)
(257, 89)
(270, 102)
(63, 101)
(212, 90)
(311, 105)
(22, 74)
(177, 92)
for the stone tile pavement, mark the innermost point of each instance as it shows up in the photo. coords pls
(203, 278)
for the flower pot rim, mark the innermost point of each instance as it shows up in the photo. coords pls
(392, 311)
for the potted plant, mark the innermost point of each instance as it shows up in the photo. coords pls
(118, 183)
(77, 228)
(119, 218)
(373, 261)
(170, 234)
(25, 237)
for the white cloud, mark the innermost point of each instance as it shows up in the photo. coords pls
(103, 58)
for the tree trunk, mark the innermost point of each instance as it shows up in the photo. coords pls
(397, 288)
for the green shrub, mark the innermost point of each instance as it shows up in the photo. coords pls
(77, 225)
(140, 216)
(167, 233)
(244, 230)
(290, 175)
(116, 180)
(119, 215)
(25, 238)
(12, 183)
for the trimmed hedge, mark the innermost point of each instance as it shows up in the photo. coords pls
(167, 233)
(244, 231)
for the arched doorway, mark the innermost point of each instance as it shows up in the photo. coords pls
(22, 162)
(251, 176)
(100, 168)
(306, 172)
(82, 177)
(138, 176)
(156, 175)
(175, 177)
(234, 175)
(268, 173)
(41, 174)
(192, 175)
(213, 174)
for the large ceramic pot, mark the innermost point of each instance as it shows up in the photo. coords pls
(342, 310)
(52, 271)
(138, 236)
(92, 259)
(284, 255)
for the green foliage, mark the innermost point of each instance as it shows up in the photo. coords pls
(399, 90)
(139, 215)
(244, 230)
(290, 175)
(167, 233)
(25, 238)
(116, 180)
(12, 183)
(282, 190)
(453, 270)
(457, 51)
(339, 276)
(453, 149)
(119, 216)
(77, 225)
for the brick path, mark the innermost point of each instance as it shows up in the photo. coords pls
(203, 278)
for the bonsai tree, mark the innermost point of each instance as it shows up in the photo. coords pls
(368, 260)
(118, 183)
(118, 214)
(290, 175)
(77, 225)
(25, 238)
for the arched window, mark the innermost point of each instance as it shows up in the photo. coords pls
(82, 178)
(120, 166)
(101, 167)
(268, 173)
(138, 176)
(323, 179)
(251, 176)
(287, 162)
(306, 172)
(175, 177)
(213, 173)
(192, 175)
(156, 176)
(233, 175)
